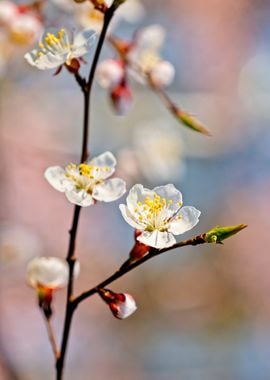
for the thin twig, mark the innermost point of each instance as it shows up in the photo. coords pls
(127, 268)
(51, 336)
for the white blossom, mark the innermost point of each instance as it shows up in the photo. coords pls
(123, 306)
(110, 73)
(160, 145)
(8, 12)
(86, 183)
(144, 57)
(162, 74)
(25, 29)
(56, 49)
(49, 272)
(158, 214)
(89, 17)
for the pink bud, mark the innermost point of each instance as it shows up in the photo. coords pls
(122, 305)
(110, 73)
(121, 99)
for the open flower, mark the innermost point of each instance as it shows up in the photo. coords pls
(86, 183)
(144, 55)
(57, 49)
(158, 214)
(122, 305)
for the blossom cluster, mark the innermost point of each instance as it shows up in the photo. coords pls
(156, 215)
(140, 58)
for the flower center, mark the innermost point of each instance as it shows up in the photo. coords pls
(155, 212)
(86, 176)
(55, 42)
(148, 61)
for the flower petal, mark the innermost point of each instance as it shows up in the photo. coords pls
(157, 239)
(46, 61)
(189, 217)
(56, 177)
(129, 218)
(110, 190)
(124, 309)
(169, 192)
(137, 194)
(105, 160)
(80, 197)
(51, 272)
(85, 39)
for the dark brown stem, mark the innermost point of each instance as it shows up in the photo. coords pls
(86, 87)
(127, 268)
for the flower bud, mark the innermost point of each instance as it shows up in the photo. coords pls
(218, 234)
(110, 73)
(189, 121)
(121, 98)
(139, 250)
(162, 74)
(49, 272)
(122, 305)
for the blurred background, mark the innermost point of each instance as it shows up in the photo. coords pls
(203, 312)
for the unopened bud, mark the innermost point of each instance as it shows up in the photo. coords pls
(121, 99)
(189, 121)
(218, 234)
(122, 305)
(110, 73)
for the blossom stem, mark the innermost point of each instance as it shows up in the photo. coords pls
(127, 268)
(71, 259)
(52, 337)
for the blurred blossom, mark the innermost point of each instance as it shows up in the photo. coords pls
(48, 272)
(121, 97)
(144, 56)
(158, 214)
(8, 12)
(254, 84)
(160, 145)
(25, 29)
(18, 244)
(110, 73)
(86, 183)
(89, 17)
(57, 49)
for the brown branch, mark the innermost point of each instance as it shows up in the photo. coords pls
(127, 267)
(71, 259)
